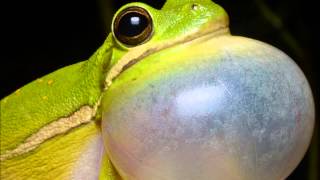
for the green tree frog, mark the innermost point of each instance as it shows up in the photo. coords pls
(170, 95)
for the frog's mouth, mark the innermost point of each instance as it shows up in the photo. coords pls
(139, 53)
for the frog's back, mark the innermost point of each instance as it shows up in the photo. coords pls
(40, 102)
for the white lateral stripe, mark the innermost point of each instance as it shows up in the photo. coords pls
(62, 125)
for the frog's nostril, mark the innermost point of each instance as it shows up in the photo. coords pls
(194, 7)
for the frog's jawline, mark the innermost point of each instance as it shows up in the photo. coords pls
(136, 60)
(133, 57)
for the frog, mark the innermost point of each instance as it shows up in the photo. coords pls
(65, 103)
(70, 124)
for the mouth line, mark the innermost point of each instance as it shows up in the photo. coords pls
(132, 58)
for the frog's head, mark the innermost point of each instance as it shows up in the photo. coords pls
(137, 23)
(140, 30)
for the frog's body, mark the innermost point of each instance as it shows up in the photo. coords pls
(49, 116)
(51, 128)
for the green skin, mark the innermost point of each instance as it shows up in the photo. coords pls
(34, 145)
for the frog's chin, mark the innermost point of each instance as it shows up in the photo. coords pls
(139, 53)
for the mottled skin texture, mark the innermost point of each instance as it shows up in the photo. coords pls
(65, 91)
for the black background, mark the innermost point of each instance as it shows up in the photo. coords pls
(42, 36)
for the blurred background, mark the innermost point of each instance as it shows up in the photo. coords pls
(42, 36)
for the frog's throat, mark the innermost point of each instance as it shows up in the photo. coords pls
(83, 116)
(140, 52)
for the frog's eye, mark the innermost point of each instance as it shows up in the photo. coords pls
(133, 26)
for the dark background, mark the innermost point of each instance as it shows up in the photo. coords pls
(42, 36)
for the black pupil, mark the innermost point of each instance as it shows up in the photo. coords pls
(132, 24)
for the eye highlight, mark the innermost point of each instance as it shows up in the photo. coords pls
(133, 26)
